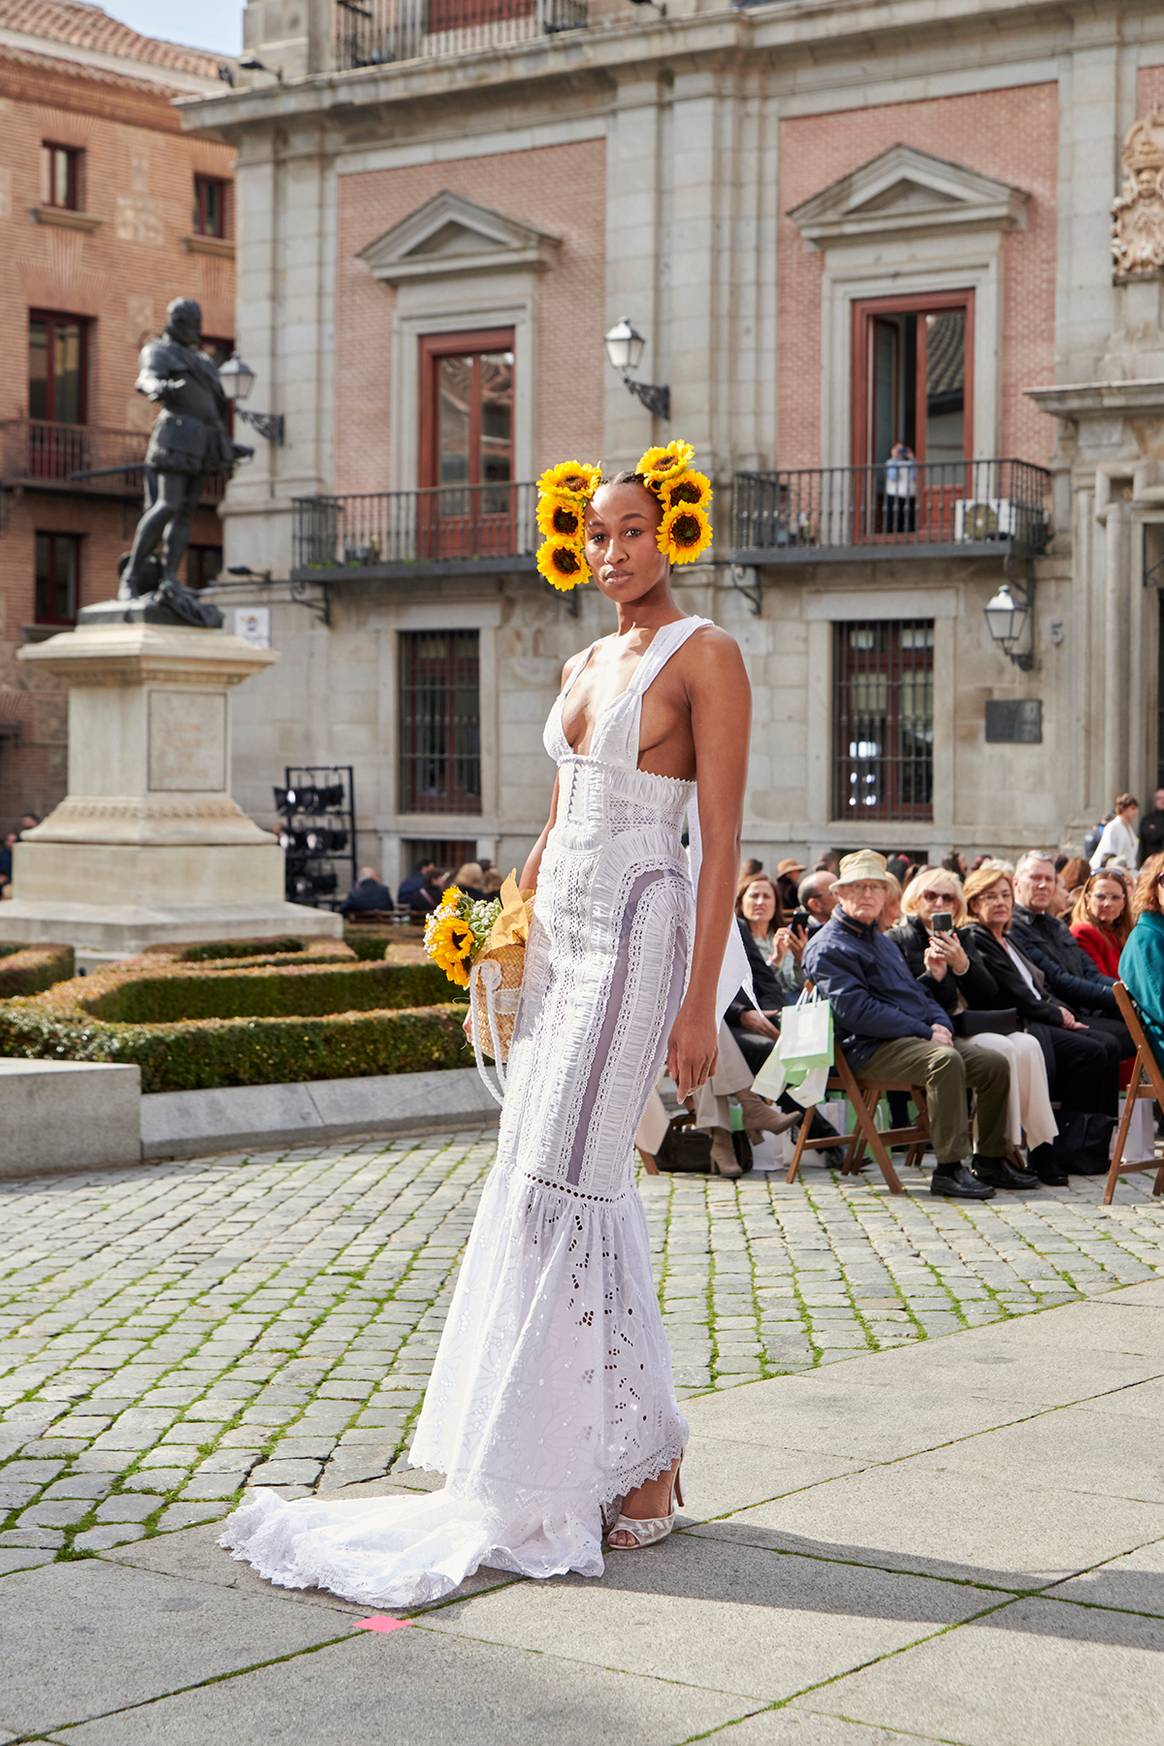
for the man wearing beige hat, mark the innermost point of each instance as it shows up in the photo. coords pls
(894, 1032)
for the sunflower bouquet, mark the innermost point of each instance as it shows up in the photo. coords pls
(683, 493)
(480, 945)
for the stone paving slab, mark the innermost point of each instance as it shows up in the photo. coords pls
(781, 1623)
(801, 1727)
(1134, 1582)
(83, 1638)
(1037, 1671)
(1070, 1450)
(961, 1527)
(418, 1686)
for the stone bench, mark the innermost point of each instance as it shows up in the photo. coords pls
(67, 1115)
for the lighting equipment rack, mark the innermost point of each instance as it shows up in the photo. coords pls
(317, 805)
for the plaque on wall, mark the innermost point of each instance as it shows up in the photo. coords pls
(1014, 721)
(187, 749)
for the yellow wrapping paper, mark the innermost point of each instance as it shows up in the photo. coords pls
(513, 924)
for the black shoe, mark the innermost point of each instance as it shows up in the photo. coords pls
(1051, 1176)
(957, 1183)
(1001, 1173)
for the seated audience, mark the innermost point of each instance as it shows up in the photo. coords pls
(789, 873)
(420, 890)
(1118, 836)
(750, 867)
(1152, 829)
(468, 878)
(1101, 920)
(814, 894)
(830, 862)
(491, 883)
(893, 1031)
(1072, 977)
(1142, 959)
(6, 849)
(368, 893)
(758, 917)
(891, 914)
(1082, 1068)
(939, 961)
(1075, 873)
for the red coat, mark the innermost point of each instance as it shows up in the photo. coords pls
(1102, 947)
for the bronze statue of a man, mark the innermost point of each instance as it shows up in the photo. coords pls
(189, 443)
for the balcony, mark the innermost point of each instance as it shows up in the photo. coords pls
(454, 530)
(962, 509)
(39, 455)
(376, 33)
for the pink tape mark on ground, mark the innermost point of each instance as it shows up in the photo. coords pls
(381, 1622)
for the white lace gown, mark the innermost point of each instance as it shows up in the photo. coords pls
(551, 1396)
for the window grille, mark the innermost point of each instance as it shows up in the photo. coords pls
(440, 721)
(883, 719)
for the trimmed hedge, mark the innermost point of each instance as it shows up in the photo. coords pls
(370, 940)
(204, 1053)
(243, 954)
(214, 1023)
(300, 991)
(27, 970)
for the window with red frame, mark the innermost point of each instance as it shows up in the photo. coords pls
(467, 443)
(210, 206)
(440, 721)
(203, 565)
(57, 367)
(883, 719)
(60, 176)
(58, 577)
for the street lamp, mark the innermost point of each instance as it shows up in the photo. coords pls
(1008, 618)
(624, 347)
(237, 380)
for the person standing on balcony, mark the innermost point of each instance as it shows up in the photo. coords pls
(551, 1410)
(901, 489)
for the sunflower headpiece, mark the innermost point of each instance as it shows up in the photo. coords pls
(684, 495)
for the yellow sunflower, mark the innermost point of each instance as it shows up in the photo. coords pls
(657, 465)
(562, 563)
(451, 946)
(685, 533)
(577, 479)
(452, 896)
(689, 487)
(559, 518)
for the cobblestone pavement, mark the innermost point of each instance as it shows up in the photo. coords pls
(170, 1334)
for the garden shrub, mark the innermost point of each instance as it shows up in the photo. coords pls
(243, 954)
(193, 1026)
(29, 969)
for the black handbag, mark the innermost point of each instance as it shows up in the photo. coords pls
(1004, 1023)
(686, 1148)
(1083, 1143)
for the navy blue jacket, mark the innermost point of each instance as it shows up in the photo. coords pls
(873, 993)
(1072, 974)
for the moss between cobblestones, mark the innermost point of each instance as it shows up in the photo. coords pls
(188, 1028)
(28, 970)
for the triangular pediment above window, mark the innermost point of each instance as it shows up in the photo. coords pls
(907, 190)
(450, 235)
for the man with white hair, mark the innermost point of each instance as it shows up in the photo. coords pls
(893, 1032)
(1073, 977)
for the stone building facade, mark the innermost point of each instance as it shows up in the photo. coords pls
(107, 212)
(841, 226)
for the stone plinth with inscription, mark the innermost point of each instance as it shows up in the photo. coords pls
(148, 844)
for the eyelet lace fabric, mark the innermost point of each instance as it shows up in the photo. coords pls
(551, 1396)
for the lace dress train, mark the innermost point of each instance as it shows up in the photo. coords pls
(551, 1396)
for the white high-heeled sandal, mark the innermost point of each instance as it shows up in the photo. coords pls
(648, 1530)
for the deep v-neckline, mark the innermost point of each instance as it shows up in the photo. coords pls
(611, 701)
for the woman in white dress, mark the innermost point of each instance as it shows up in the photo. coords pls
(551, 1409)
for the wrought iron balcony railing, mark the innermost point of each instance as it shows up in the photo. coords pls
(924, 509)
(38, 454)
(373, 33)
(451, 529)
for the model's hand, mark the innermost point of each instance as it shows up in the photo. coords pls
(751, 1020)
(692, 1050)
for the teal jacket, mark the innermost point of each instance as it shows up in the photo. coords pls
(1142, 973)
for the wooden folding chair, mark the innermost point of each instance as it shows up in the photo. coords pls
(866, 1135)
(1147, 1081)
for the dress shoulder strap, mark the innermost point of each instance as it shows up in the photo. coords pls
(581, 662)
(663, 645)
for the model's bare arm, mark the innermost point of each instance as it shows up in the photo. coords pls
(721, 719)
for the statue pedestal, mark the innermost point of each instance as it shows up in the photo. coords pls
(148, 846)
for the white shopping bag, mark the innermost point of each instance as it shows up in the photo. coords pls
(806, 1033)
(1141, 1141)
